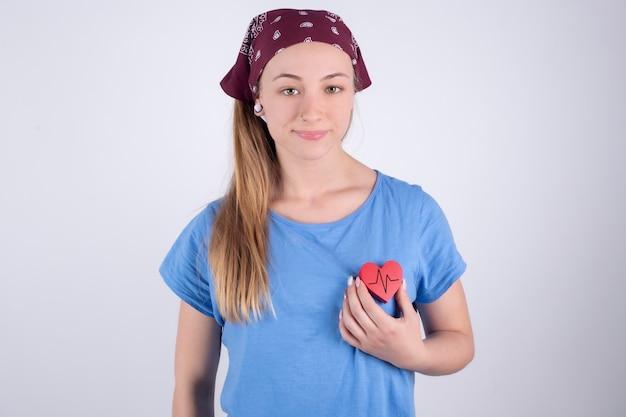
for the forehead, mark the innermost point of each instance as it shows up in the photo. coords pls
(310, 57)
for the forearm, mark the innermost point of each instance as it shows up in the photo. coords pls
(449, 343)
(193, 402)
(443, 353)
(198, 347)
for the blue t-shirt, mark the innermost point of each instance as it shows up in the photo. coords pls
(296, 363)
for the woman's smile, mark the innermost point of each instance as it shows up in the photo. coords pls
(311, 134)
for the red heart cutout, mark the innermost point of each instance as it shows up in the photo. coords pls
(383, 282)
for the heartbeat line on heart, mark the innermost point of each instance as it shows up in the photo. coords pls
(384, 282)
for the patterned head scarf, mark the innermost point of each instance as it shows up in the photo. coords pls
(271, 32)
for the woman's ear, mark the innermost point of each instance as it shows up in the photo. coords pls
(258, 110)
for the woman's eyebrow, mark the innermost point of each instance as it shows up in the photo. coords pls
(334, 75)
(297, 78)
(286, 75)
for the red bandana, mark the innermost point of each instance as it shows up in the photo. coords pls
(271, 32)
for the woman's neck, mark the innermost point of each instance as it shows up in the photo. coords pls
(323, 191)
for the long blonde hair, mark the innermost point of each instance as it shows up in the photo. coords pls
(239, 246)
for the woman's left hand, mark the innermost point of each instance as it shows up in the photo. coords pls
(448, 345)
(366, 326)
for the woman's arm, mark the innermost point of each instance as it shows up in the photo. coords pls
(198, 346)
(449, 340)
(448, 345)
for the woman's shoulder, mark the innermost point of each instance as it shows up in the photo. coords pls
(398, 187)
(201, 222)
(406, 195)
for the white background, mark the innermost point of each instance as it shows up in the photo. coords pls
(114, 133)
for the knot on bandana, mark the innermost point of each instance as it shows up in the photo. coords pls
(271, 32)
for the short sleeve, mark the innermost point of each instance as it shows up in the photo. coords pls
(185, 268)
(440, 263)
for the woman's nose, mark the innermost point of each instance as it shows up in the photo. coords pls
(311, 107)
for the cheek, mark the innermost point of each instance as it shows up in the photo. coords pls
(346, 105)
(281, 110)
(344, 112)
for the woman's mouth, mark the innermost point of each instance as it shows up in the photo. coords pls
(311, 134)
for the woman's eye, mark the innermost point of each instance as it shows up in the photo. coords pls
(333, 89)
(290, 91)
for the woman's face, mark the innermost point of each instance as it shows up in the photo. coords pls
(307, 93)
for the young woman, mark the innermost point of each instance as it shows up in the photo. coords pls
(268, 269)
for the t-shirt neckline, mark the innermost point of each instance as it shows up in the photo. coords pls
(347, 218)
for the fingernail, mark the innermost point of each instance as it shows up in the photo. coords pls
(340, 314)
(404, 284)
(350, 281)
(358, 282)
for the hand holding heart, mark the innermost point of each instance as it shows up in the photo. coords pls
(366, 326)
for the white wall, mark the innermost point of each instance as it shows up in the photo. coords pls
(114, 132)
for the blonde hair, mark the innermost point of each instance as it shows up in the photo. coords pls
(239, 246)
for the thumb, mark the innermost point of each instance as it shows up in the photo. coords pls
(404, 302)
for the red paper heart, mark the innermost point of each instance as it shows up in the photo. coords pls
(383, 282)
